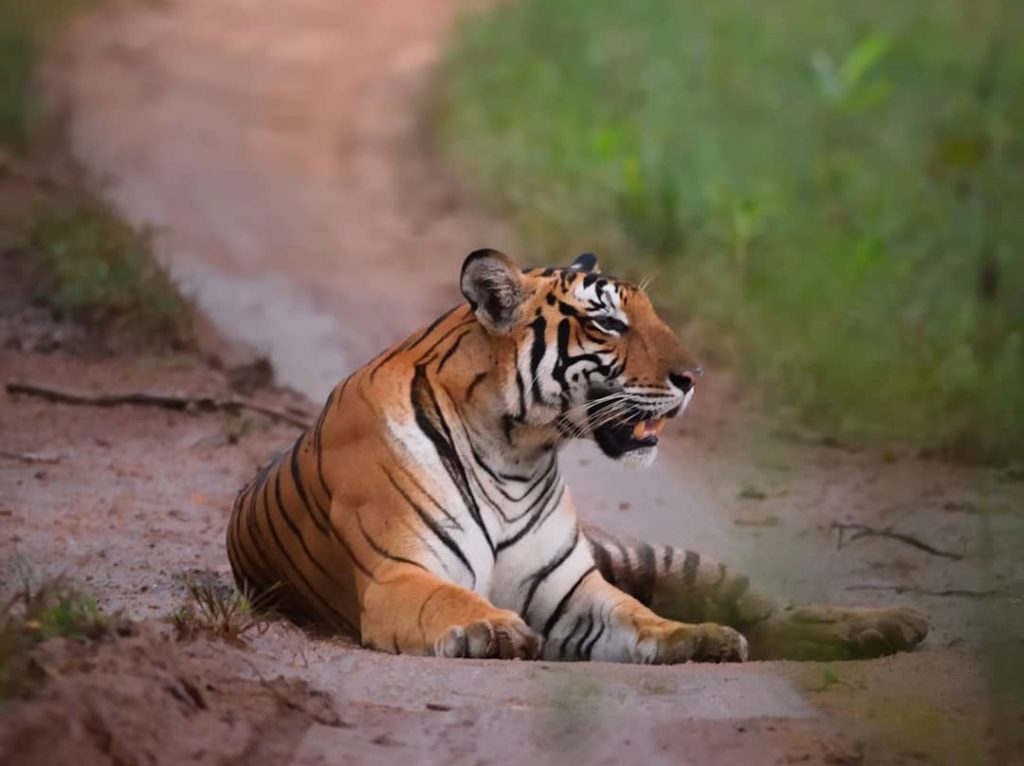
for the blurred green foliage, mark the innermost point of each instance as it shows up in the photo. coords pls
(835, 190)
(24, 27)
(103, 272)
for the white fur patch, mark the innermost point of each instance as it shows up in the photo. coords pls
(639, 458)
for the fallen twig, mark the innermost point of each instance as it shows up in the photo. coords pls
(863, 530)
(30, 457)
(167, 401)
(956, 592)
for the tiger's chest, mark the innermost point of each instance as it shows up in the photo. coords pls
(489, 519)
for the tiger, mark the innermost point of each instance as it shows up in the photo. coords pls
(424, 512)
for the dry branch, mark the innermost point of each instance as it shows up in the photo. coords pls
(162, 400)
(956, 592)
(863, 530)
(30, 457)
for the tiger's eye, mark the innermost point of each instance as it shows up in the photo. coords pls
(610, 325)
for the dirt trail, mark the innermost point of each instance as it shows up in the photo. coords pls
(282, 149)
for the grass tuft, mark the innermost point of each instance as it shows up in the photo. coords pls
(36, 612)
(214, 609)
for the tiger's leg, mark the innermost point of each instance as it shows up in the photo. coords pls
(408, 610)
(583, 617)
(682, 585)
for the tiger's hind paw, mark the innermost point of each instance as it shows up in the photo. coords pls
(836, 633)
(506, 638)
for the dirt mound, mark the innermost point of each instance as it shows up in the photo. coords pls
(147, 699)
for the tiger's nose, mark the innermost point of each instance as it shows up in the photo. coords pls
(684, 380)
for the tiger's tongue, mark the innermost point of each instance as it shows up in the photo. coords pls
(645, 429)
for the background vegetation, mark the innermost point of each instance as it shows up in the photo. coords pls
(94, 266)
(834, 190)
(25, 25)
(101, 271)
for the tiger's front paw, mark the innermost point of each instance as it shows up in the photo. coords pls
(706, 642)
(503, 637)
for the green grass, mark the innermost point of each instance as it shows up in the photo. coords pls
(102, 271)
(25, 26)
(832, 189)
(36, 612)
(218, 610)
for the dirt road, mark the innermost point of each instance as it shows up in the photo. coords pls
(283, 152)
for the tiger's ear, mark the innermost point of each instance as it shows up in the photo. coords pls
(587, 263)
(493, 285)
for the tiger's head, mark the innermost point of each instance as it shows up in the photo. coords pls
(584, 354)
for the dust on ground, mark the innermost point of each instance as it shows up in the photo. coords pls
(283, 151)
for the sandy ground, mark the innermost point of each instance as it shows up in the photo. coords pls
(283, 152)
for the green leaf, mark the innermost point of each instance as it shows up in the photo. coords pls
(862, 59)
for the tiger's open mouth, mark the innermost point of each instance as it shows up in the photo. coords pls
(634, 431)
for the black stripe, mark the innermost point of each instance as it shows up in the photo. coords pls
(422, 394)
(428, 545)
(558, 373)
(690, 564)
(521, 388)
(472, 386)
(430, 328)
(579, 644)
(545, 571)
(567, 360)
(241, 569)
(628, 581)
(666, 561)
(553, 505)
(604, 561)
(318, 439)
(575, 629)
(302, 541)
(507, 424)
(722, 572)
(432, 524)
(647, 574)
(499, 482)
(472, 474)
(410, 343)
(564, 603)
(240, 509)
(422, 490)
(538, 517)
(290, 522)
(450, 351)
(324, 524)
(250, 516)
(589, 650)
(311, 591)
(427, 356)
(382, 551)
(537, 355)
(567, 309)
